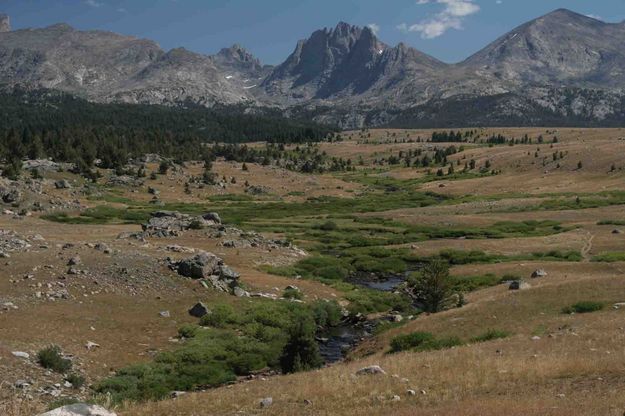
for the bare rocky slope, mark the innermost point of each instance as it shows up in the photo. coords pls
(564, 63)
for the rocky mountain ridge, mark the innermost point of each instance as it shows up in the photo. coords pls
(567, 63)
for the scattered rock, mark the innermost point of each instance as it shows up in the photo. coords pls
(395, 398)
(539, 273)
(62, 184)
(372, 369)
(616, 231)
(79, 409)
(519, 285)
(91, 345)
(266, 402)
(198, 310)
(171, 223)
(164, 314)
(411, 392)
(240, 293)
(74, 261)
(21, 354)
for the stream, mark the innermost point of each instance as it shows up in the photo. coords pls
(335, 343)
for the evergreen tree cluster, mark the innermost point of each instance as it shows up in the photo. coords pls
(38, 124)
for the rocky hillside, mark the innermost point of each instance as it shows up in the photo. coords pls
(565, 63)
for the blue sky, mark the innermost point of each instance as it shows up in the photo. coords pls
(449, 30)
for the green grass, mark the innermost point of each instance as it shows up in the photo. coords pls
(457, 257)
(232, 342)
(609, 257)
(422, 341)
(490, 335)
(426, 341)
(584, 307)
(611, 222)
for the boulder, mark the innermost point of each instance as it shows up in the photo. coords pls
(372, 369)
(79, 409)
(539, 273)
(518, 285)
(62, 184)
(212, 217)
(74, 261)
(21, 354)
(240, 293)
(198, 310)
(616, 231)
(10, 196)
(200, 266)
(266, 402)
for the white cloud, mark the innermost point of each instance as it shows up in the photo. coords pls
(594, 16)
(454, 11)
(122, 10)
(499, 2)
(375, 28)
(93, 3)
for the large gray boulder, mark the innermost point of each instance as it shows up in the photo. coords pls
(200, 266)
(79, 409)
(211, 269)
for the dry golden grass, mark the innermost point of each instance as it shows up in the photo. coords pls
(576, 367)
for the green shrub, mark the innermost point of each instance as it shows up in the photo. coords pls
(220, 316)
(609, 257)
(292, 293)
(490, 335)
(77, 380)
(422, 341)
(51, 358)
(410, 341)
(328, 226)
(584, 307)
(326, 313)
(188, 331)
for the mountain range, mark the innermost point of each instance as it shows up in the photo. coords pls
(562, 68)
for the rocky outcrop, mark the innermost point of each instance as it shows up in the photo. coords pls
(172, 223)
(210, 269)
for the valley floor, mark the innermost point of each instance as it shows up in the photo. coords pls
(529, 210)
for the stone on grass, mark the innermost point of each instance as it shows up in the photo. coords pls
(198, 310)
(372, 369)
(21, 354)
(79, 409)
(539, 273)
(519, 285)
(266, 402)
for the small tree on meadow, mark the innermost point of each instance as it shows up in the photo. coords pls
(433, 287)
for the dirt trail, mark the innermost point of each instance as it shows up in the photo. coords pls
(587, 247)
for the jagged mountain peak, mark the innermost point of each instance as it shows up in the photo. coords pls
(237, 53)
